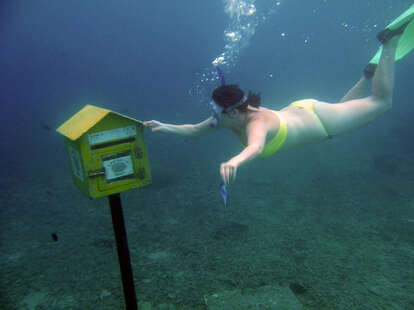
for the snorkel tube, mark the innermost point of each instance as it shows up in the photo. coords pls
(221, 76)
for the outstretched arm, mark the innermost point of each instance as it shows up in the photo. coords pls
(188, 130)
(256, 139)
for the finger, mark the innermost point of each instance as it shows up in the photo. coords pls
(225, 175)
(151, 122)
(234, 174)
(222, 174)
(228, 174)
(148, 124)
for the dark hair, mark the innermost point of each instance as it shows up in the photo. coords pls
(227, 95)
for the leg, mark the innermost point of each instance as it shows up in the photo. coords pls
(343, 117)
(383, 80)
(357, 91)
(360, 88)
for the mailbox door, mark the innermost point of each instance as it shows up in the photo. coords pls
(117, 158)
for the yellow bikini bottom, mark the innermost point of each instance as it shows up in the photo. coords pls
(276, 144)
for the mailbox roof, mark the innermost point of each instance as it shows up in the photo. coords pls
(84, 120)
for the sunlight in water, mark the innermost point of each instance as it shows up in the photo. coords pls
(239, 31)
(243, 19)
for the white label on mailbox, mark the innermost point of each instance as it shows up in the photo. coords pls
(118, 167)
(75, 163)
(111, 135)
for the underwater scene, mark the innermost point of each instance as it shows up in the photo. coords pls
(133, 136)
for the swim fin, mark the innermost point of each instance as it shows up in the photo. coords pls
(406, 42)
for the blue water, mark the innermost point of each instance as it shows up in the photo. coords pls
(147, 60)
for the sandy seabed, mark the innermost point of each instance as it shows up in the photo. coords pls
(341, 231)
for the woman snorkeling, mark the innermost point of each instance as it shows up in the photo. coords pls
(264, 132)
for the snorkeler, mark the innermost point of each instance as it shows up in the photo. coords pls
(264, 132)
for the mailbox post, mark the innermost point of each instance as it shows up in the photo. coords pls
(107, 156)
(123, 251)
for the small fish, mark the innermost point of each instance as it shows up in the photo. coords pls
(54, 237)
(223, 192)
(46, 127)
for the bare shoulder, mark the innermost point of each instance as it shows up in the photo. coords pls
(263, 119)
(264, 114)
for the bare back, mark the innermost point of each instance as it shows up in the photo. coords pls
(303, 126)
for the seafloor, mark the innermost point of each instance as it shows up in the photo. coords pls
(331, 224)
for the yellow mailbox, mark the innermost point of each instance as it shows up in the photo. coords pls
(106, 150)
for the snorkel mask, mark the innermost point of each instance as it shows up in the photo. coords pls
(215, 109)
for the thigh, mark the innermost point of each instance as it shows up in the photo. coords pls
(342, 117)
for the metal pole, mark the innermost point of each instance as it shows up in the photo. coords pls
(123, 251)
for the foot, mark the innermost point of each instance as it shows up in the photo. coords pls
(387, 34)
(369, 70)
